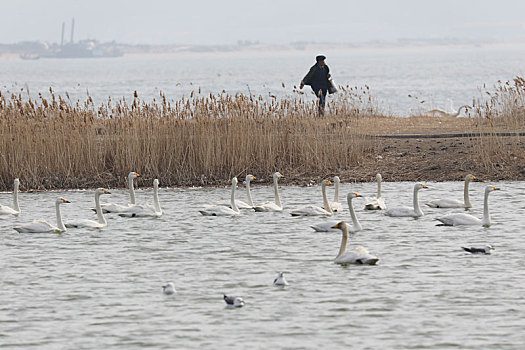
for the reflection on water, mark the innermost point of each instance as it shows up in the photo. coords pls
(94, 289)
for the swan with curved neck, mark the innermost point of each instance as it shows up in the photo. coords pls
(376, 203)
(272, 206)
(327, 226)
(454, 203)
(414, 212)
(5, 210)
(336, 206)
(41, 226)
(101, 220)
(467, 219)
(241, 204)
(118, 208)
(219, 210)
(146, 211)
(359, 255)
(440, 113)
(313, 210)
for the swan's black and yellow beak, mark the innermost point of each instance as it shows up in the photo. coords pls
(107, 192)
(65, 200)
(357, 195)
(137, 174)
(496, 188)
(281, 175)
(424, 186)
(254, 177)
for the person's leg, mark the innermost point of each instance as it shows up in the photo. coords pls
(322, 100)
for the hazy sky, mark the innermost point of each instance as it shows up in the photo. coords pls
(270, 21)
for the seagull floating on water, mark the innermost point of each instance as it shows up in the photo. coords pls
(479, 250)
(280, 280)
(234, 301)
(168, 289)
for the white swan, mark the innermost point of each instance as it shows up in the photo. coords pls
(336, 206)
(168, 288)
(117, 208)
(467, 219)
(359, 255)
(280, 280)
(40, 226)
(100, 216)
(454, 203)
(440, 113)
(241, 204)
(220, 210)
(328, 226)
(146, 210)
(5, 210)
(313, 210)
(376, 203)
(407, 211)
(272, 206)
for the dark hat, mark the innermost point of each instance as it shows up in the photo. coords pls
(320, 58)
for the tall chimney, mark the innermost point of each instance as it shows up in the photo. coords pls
(72, 29)
(63, 30)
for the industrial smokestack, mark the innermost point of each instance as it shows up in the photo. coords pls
(63, 30)
(72, 29)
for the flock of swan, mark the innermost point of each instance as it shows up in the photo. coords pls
(233, 207)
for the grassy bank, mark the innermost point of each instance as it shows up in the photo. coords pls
(51, 143)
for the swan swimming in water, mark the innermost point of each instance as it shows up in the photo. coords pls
(280, 280)
(313, 210)
(414, 212)
(168, 288)
(272, 206)
(117, 208)
(5, 210)
(100, 216)
(146, 210)
(359, 255)
(41, 226)
(328, 226)
(454, 203)
(234, 301)
(241, 204)
(376, 203)
(220, 210)
(336, 206)
(467, 219)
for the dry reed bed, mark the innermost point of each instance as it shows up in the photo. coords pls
(205, 140)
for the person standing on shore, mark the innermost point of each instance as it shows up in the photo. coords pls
(318, 79)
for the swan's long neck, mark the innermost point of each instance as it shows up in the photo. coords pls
(344, 241)
(248, 193)
(276, 192)
(459, 111)
(234, 206)
(378, 188)
(326, 204)
(16, 206)
(466, 197)
(336, 195)
(131, 190)
(98, 209)
(60, 224)
(417, 209)
(486, 214)
(156, 201)
(355, 222)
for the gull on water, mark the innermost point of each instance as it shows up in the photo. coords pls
(479, 250)
(280, 280)
(168, 289)
(233, 301)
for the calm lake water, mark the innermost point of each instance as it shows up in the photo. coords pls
(444, 78)
(102, 289)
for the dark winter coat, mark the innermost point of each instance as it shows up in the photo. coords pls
(317, 77)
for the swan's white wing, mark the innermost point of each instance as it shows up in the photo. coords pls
(115, 208)
(5, 210)
(218, 210)
(310, 210)
(401, 212)
(326, 226)
(37, 226)
(374, 203)
(459, 219)
(239, 204)
(267, 206)
(85, 223)
(141, 211)
(446, 203)
(336, 207)
(359, 256)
